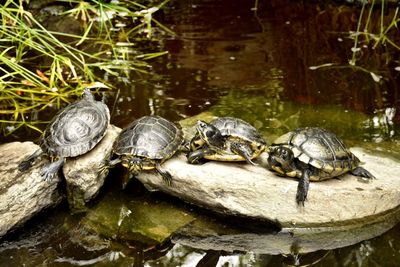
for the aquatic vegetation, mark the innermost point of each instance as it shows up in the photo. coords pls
(49, 55)
(381, 38)
(377, 32)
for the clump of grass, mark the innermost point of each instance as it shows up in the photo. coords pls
(380, 38)
(65, 69)
(368, 35)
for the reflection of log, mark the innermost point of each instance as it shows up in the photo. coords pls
(284, 242)
(253, 191)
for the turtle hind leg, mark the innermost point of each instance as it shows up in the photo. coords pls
(167, 177)
(363, 174)
(244, 150)
(27, 163)
(302, 187)
(49, 171)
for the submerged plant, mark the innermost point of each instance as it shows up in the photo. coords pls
(41, 66)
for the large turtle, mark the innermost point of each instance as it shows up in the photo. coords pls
(225, 139)
(145, 144)
(312, 154)
(74, 131)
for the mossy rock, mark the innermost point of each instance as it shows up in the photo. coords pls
(121, 217)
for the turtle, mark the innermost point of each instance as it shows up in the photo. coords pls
(74, 131)
(312, 154)
(145, 144)
(225, 139)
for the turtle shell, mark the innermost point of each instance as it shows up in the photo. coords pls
(77, 128)
(236, 130)
(151, 137)
(320, 149)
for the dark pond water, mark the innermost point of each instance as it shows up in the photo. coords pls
(259, 66)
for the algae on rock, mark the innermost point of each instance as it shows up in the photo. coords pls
(121, 217)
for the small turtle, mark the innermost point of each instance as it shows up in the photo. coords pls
(225, 139)
(74, 131)
(312, 154)
(145, 144)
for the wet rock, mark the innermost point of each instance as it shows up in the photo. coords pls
(253, 236)
(122, 217)
(82, 173)
(22, 195)
(253, 191)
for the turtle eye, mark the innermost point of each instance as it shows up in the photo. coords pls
(283, 152)
(201, 124)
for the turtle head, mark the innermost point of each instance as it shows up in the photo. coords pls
(210, 134)
(281, 157)
(133, 164)
(87, 94)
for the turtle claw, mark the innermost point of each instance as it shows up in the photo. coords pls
(363, 174)
(49, 171)
(167, 177)
(251, 162)
(47, 175)
(102, 169)
(300, 198)
(302, 188)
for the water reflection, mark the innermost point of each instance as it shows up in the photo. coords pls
(234, 50)
(258, 68)
(209, 240)
(225, 59)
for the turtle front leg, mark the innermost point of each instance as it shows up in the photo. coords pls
(167, 177)
(195, 156)
(302, 187)
(243, 150)
(27, 163)
(50, 170)
(107, 164)
(361, 172)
